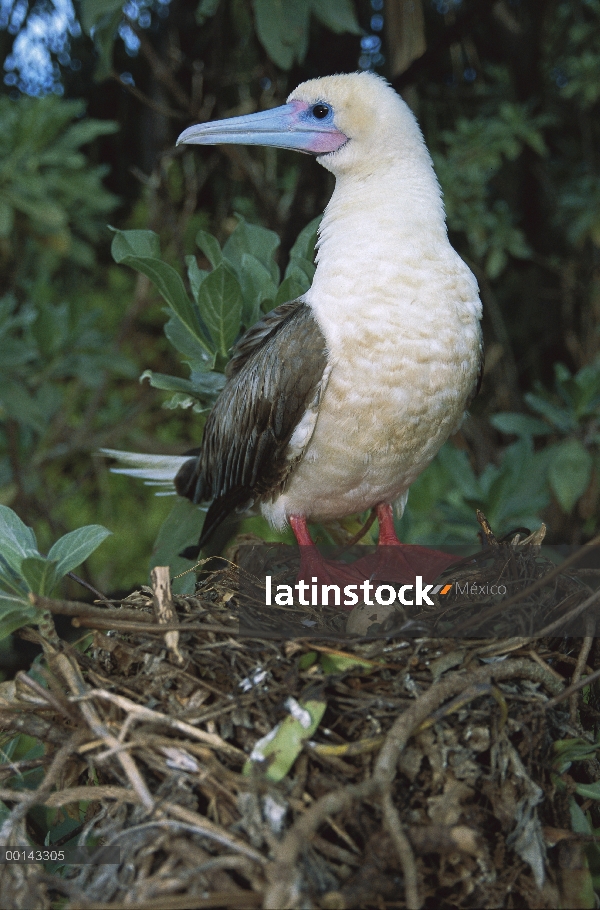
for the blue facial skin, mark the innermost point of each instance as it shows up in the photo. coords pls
(297, 125)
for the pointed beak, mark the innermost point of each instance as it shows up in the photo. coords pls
(290, 126)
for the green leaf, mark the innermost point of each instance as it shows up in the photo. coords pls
(279, 749)
(588, 791)
(181, 529)
(40, 574)
(569, 472)
(337, 15)
(210, 247)
(301, 272)
(167, 383)
(304, 247)
(282, 29)
(144, 244)
(220, 304)
(74, 548)
(196, 275)
(126, 250)
(17, 541)
(561, 418)
(289, 289)
(519, 424)
(12, 619)
(11, 581)
(187, 345)
(257, 285)
(342, 663)
(255, 240)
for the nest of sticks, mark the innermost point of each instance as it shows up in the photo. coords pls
(430, 780)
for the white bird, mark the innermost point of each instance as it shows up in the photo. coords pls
(337, 401)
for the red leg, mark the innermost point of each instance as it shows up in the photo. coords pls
(300, 529)
(387, 531)
(400, 564)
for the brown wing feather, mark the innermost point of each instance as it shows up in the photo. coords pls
(273, 377)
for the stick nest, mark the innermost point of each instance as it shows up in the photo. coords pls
(432, 780)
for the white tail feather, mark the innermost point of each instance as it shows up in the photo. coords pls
(154, 470)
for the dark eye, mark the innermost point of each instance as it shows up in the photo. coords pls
(320, 111)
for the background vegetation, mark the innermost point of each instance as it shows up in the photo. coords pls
(508, 95)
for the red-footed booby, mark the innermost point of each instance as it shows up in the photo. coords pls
(337, 401)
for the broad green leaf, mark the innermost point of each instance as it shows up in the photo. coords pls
(187, 345)
(196, 275)
(201, 385)
(289, 289)
(144, 244)
(11, 620)
(301, 272)
(11, 581)
(257, 285)
(17, 541)
(220, 304)
(337, 15)
(40, 574)
(74, 548)
(167, 383)
(207, 385)
(569, 472)
(520, 424)
(255, 240)
(210, 247)
(282, 29)
(304, 247)
(167, 281)
(181, 529)
(279, 749)
(558, 417)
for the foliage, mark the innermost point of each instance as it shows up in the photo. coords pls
(23, 569)
(475, 151)
(52, 203)
(571, 411)
(244, 283)
(281, 26)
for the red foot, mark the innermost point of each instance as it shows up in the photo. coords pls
(393, 561)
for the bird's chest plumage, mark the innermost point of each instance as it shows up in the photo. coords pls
(404, 358)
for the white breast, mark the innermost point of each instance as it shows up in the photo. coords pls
(400, 313)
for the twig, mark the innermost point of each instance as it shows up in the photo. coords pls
(586, 681)
(84, 584)
(160, 70)
(139, 712)
(149, 102)
(74, 680)
(393, 824)
(283, 873)
(586, 647)
(540, 583)
(164, 609)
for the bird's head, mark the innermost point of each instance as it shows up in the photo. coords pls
(350, 122)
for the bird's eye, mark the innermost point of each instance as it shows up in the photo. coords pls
(320, 111)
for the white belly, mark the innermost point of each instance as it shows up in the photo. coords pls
(400, 379)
